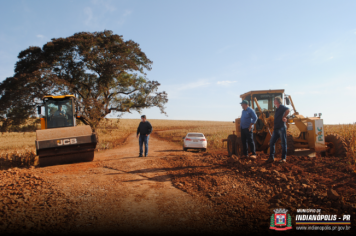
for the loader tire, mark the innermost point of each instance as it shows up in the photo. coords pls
(337, 145)
(290, 144)
(231, 140)
(238, 147)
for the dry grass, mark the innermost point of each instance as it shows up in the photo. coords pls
(347, 131)
(14, 146)
(112, 134)
(14, 141)
(214, 132)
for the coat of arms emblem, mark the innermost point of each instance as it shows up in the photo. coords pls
(280, 220)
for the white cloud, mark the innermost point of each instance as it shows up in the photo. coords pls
(106, 4)
(89, 14)
(315, 92)
(40, 36)
(124, 17)
(225, 82)
(201, 83)
(298, 93)
(96, 15)
(175, 91)
(352, 88)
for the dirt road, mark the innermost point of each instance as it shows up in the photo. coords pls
(170, 191)
(121, 192)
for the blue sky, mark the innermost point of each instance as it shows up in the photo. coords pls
(206, 53)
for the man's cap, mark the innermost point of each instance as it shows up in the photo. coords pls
(244, 102)
(143, 116)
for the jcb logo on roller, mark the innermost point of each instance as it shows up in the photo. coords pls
(66, 141)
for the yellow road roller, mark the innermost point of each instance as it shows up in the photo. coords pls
(60, 140)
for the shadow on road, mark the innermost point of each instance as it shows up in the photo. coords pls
(172, 150)
(163, 178)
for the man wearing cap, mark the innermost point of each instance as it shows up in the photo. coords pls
(144, 129)
(248, 119)
(280, 130)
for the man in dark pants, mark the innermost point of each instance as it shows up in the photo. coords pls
(280, 130)
(248, 119)
(144, 129)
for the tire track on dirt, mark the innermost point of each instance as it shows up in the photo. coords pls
(120, 192)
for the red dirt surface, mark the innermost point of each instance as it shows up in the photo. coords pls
(171, 191)
(244, 192)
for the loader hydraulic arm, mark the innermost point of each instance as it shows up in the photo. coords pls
(291, 101)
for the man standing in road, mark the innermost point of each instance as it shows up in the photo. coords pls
(248, 119)
(144, 129)
(280, 130)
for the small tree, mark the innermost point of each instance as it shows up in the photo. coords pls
(106, 73)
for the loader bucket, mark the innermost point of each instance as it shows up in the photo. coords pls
(65, 145)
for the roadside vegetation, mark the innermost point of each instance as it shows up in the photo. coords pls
(18, 148)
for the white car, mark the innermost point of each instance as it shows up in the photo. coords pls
(195, 141)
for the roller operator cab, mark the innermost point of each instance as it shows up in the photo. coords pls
(59, 112)
(60, 140)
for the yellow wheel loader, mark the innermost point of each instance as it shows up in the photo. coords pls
(60, 140)
(311, 129)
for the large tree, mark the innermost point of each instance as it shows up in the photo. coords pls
(106, 73)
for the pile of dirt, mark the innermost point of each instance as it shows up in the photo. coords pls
(31, 204)
(24, 159)
(245, 192)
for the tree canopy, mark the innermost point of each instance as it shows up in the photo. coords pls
(106, 73)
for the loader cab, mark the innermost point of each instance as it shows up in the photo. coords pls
(265, 99)
(59, 111)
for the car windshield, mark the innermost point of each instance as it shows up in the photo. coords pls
(195, 135)
(59, 113)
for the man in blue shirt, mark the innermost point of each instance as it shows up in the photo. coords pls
(280, 130)
(248, 119)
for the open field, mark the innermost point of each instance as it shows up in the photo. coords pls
(220, 130)
(16, 146)
(113, 133)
